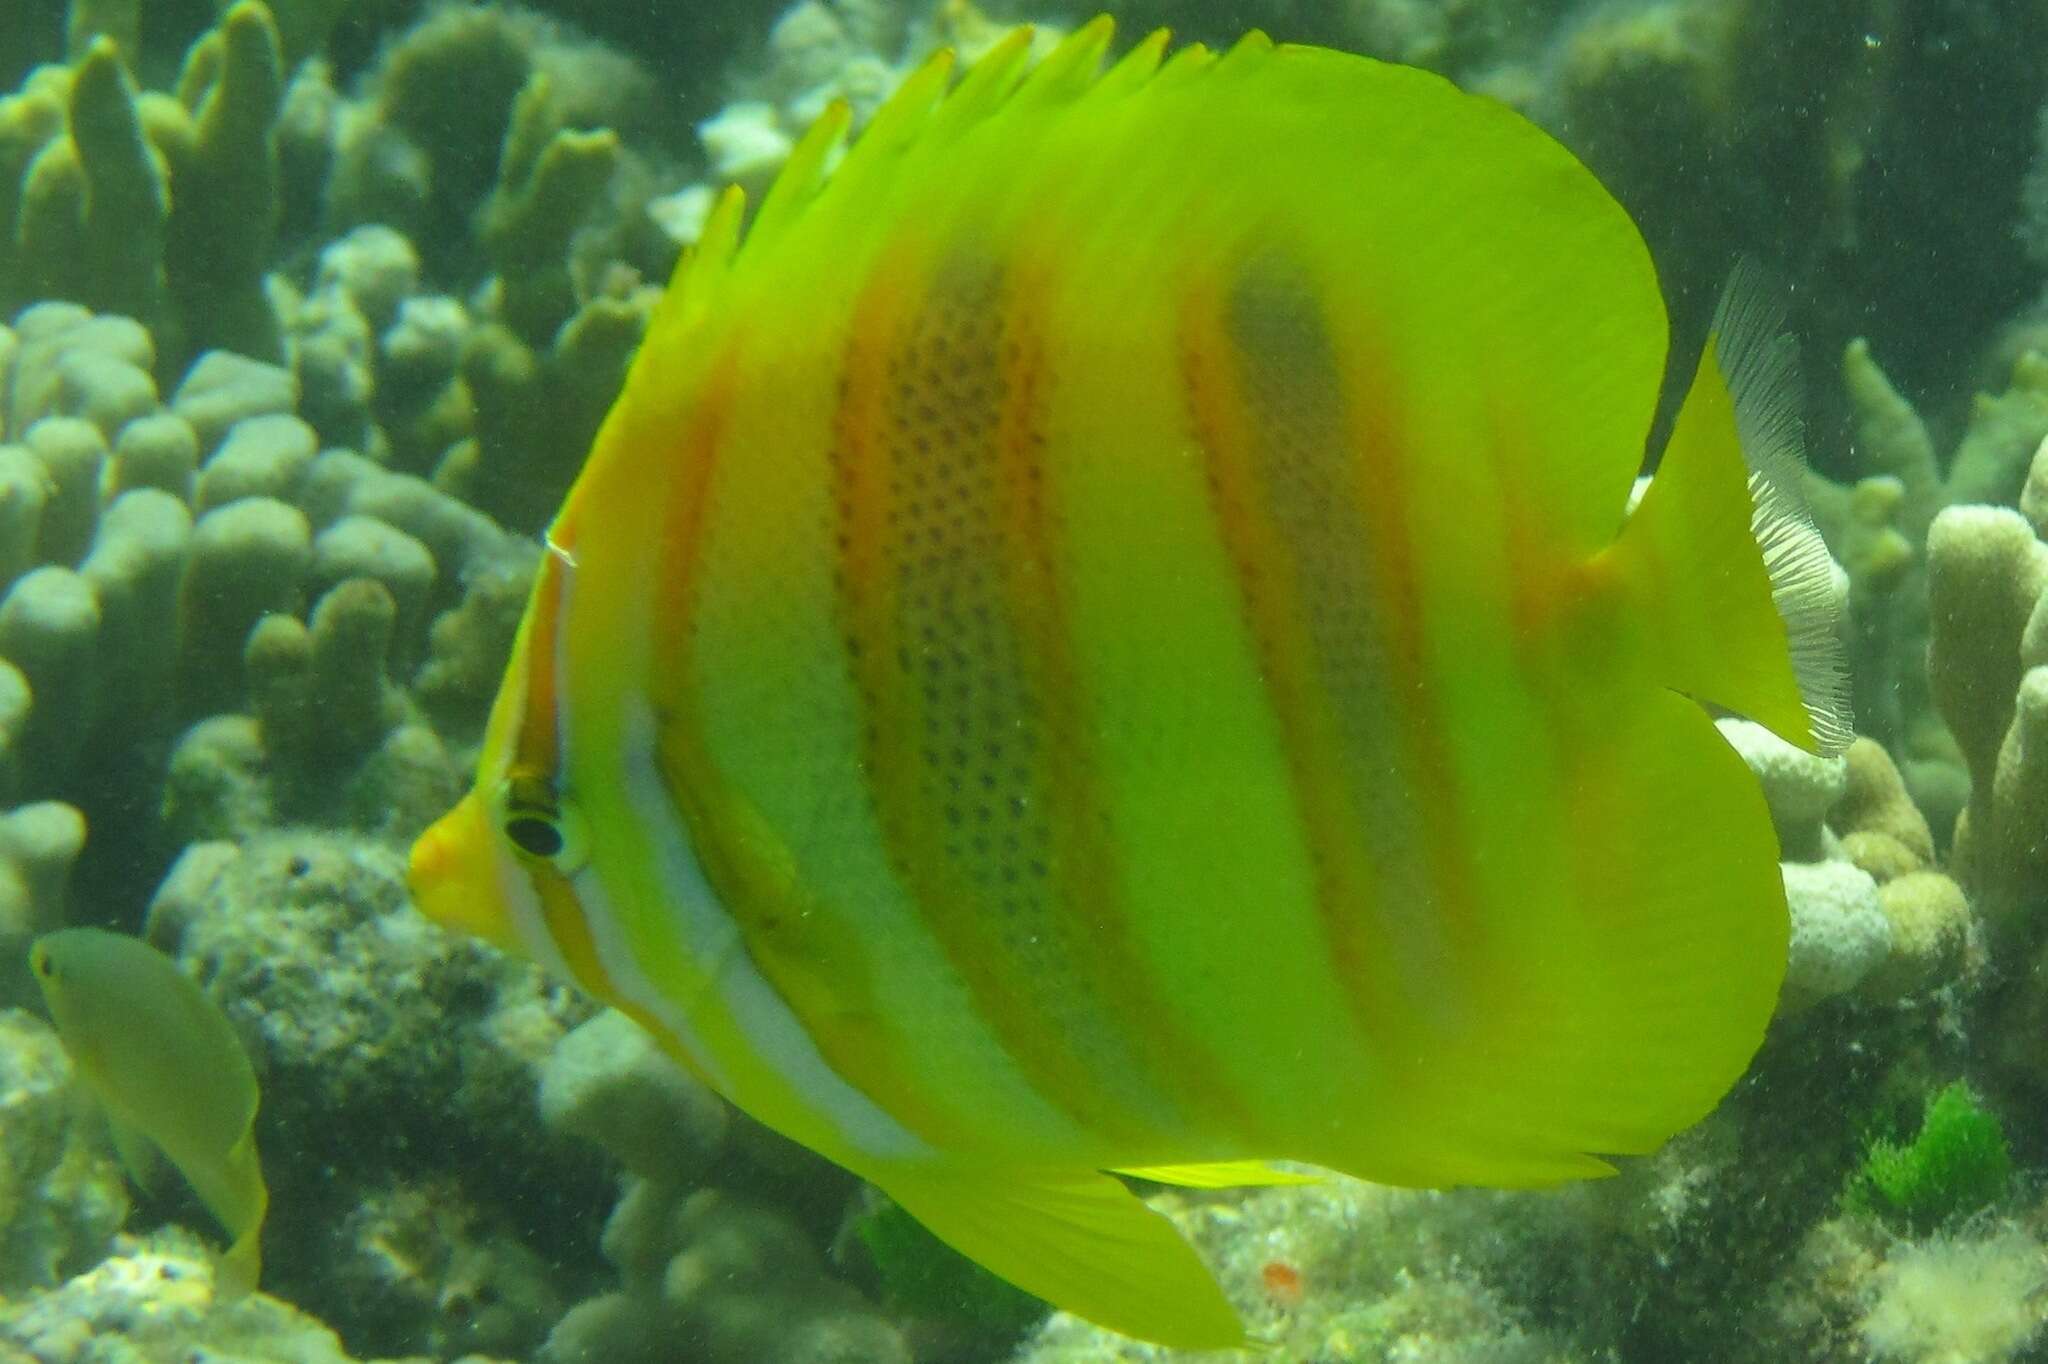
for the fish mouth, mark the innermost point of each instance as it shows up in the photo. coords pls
(451, 873)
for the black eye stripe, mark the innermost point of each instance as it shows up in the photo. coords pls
(534, 834)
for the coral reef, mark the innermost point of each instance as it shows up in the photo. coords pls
(1340, 1271)
(38, 845)
(1974, 1294)
(62, 1197)
(310, 311)
(346, 1000)
(1881, 525)
(154, 1299)
(1870, 912)
(697, 1260)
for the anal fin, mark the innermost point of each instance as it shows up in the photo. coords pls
(1220, 1174)
(1081, 1241)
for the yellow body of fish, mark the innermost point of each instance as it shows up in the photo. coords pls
(166, 1065)
(1100, 637)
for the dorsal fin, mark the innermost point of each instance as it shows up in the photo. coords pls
(1070, 69)
(1136, 67)
(803, 175)
(987, 85)
(702, 266)
(904, 115)
(921, 111)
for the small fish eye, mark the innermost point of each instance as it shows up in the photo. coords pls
(535, 835)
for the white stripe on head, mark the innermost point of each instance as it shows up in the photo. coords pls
(523, 905)
(631, 984)
(701, 927)
(776, 1035)
(615, 957)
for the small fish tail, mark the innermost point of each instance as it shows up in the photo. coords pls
(234, 1192)
(241, 1265)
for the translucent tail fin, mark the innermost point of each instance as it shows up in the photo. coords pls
(1739, 589)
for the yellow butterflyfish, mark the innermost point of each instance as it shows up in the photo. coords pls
(165, 1063)
(1101, 636)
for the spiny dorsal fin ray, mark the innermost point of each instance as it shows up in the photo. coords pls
(1070, 69)
(1136, 67)
(804, 174)
(1190, 61)
(701, 266)
(903, 116)
(922, 110)
(1250, 49)
(988, 84)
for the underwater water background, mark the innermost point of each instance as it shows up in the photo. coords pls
(309, 312)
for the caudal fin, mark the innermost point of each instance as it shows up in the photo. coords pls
(1723, 557)
(233, 1191)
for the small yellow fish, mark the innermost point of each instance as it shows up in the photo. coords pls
(166, 1065)
(1101, 637)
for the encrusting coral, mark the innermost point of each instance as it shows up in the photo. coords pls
(1882, 525)
(741, 1280)
(346, 1000)
(1870, 912)
(64, 1195)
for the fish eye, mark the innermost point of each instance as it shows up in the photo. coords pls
(534, 834)
(537, 823)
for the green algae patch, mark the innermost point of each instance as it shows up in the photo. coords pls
(1959, 1163)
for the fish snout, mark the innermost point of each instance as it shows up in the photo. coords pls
(451, 874)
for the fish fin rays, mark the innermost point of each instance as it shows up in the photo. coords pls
(925, 113)
(1721, 560)
(804, 174)
(1761, 362)
(1081, 1241)
(929, 109)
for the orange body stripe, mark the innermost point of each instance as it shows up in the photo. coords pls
(1093, 919)
(833, 999)
(1001, 966)
(1383, 492)
(1344, 881)
(691, 467)
(536, 746)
